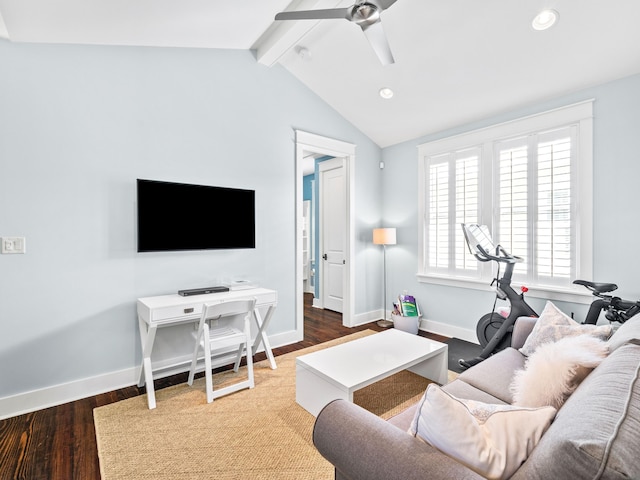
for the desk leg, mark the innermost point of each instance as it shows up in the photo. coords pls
(147, 337)
(261, 337)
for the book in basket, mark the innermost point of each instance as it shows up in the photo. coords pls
(408, 305)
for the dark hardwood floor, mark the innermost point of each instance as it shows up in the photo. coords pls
(59, 443)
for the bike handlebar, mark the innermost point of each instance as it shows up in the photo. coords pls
(501, 255)
(621, 310)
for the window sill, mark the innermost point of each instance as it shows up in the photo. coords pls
(578, 295)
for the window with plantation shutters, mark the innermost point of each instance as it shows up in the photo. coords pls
(529, 181)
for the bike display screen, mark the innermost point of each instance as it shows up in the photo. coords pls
(478, 236)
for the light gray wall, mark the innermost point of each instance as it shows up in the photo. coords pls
(616, 197)
(78, 125)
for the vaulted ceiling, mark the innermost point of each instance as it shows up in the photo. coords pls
(456, 61)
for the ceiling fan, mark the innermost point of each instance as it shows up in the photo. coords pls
(365, 13)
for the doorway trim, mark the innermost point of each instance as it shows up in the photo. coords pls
(311, 143)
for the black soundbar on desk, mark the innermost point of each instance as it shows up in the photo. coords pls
(202, 291)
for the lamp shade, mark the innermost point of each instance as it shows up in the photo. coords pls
(384, 236)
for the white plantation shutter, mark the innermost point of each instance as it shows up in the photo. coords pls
(467, 204)
(439, 213)
(513, 201)
(454, 198)
(554, 234)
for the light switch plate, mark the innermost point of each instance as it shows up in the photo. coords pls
(13, 245)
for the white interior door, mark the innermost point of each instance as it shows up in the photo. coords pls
(333, 231)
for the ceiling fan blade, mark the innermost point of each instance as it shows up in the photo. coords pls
(314, 14)
(378, 40)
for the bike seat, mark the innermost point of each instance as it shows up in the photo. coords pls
(597, 287)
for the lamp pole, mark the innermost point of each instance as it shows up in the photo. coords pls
(384, 273)
(384, 237)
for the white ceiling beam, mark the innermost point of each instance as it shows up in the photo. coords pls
(4, 33)
(281, 36)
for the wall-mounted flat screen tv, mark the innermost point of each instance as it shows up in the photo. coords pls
(179, 216)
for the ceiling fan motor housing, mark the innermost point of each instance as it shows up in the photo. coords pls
(365, 14)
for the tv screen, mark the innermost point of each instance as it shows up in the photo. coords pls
(179, 216)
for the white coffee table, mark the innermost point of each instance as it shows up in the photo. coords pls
(337, 372)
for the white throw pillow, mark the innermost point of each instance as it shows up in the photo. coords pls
(492, 440)
(554, 325)
(555, 370)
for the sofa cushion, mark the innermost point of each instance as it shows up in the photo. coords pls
(555, 370)
(461, 389)
(554, 325)
(493, 440)
(595, 434)
(521, 330)
(494, 375)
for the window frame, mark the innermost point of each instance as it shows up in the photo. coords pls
(579, 115)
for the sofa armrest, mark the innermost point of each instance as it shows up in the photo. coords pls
(521, 330)
(362, 446)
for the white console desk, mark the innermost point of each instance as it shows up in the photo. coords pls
(174, 350)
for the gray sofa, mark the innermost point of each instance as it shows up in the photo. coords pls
(595, 434)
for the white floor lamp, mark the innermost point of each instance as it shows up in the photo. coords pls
(384, 237)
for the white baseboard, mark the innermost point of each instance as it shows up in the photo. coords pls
(67, 392)
(367, 317)
(448, 330)
(426, 325)
(284, 338)
(51, 396)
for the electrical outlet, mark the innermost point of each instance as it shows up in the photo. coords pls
(13, 245)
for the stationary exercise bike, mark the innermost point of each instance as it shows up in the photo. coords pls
(493, 330)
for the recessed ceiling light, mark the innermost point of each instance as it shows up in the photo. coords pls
(545, 19)
(386, 93)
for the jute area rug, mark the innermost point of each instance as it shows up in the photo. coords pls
(260, 433)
